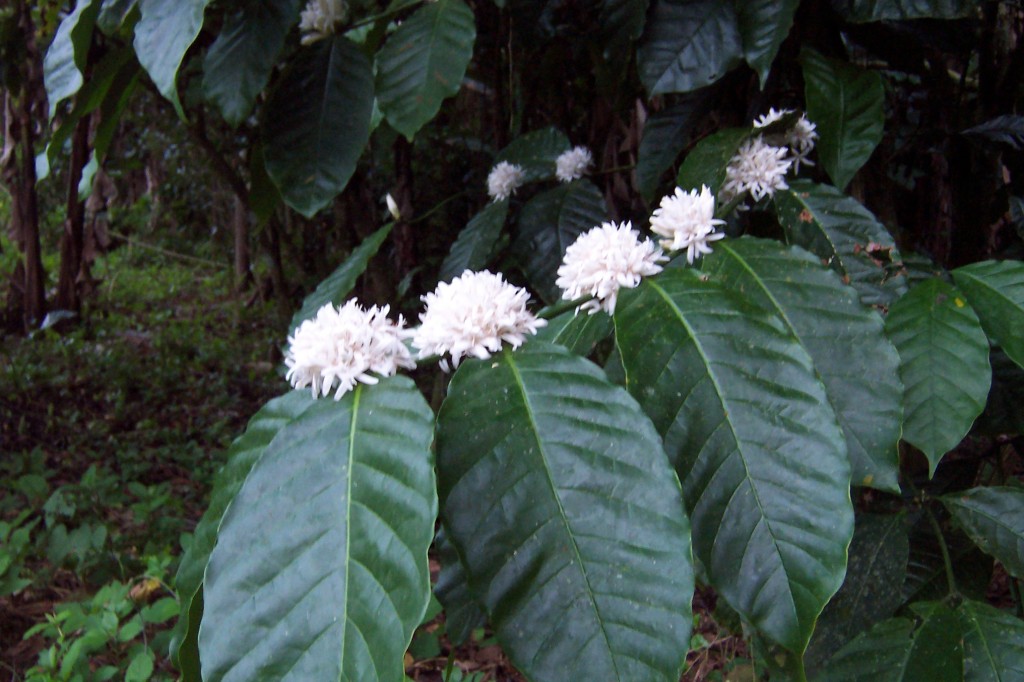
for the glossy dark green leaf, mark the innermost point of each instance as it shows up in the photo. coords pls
(852, 356)
(622, 24)
(900, 10)
(317, 122)
(844, 234)
(340, 283)
(995, 289)
(423, 63)
(548, 224)
(536, 153)
(993, 643)
(764, 24)
(1006, 130)
(847, 104)
(65, 60)
(241, 457)
(926, 568)
(163, 35)
(943, 364)
(666, 134)
(238, 65)
(264, 198)
(688, 44)
(567, 516)
(320, 568)
(462, 611)
(748, 426)
(993, 517)
(474, 245)
(706, 162)
(580, 333)
(113, 14)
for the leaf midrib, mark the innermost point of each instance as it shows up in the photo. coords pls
(357, 394)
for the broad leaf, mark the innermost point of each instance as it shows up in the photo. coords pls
(943, 364)
(340, 283)
(688, 44)
(241, 457)
(567, 516)
(1007, 130)
(902, 650)
(462, 612)
(317, 122)
(747, 424)
(926, 577)
(666, 134)
(622, 24)
(993, 517)
(423, 62)
(114, 103)
(113, 14)
(848, 106)
(852, 356)
(548, 224)
(579, 332)
(1004, 411)
(474, 245)
(65, 60)
(238, 65)
(993, 643)
(706, 162)
(844, 234)
(536, 153)
(164, 33)
(900, 10)
(320, 569)
(995, 289)
(764, 24)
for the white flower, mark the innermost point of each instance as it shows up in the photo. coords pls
(472, 315)
(571, 165)
(604, 259)
(320, 19)
(503, 180)
(345, 344)
(771, 117)
(687, 221)
(758, 168)
(800, 140)
(392, 206)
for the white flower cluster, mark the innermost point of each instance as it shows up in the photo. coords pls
(799, 138)
(320, 19)
(472, 315)
(503, 180)
(344, 345)
(687, 220)
(604, 259)
(573, 164)
(761, 163)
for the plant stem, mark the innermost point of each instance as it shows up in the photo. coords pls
(945, 551)
(555, 309)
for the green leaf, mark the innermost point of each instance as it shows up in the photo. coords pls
(764, 24)
(926, 568)
(320, 569)
(241, 457)
(666, 134)
(238, 65)
(113, 14)
(847, 104)
(474, 245)
(706, 162)
(536, 153)
(840, 231)
(902, 650)
(264, 197)
(688, 44)
(317, 122)
(993, 643)
(860, 11)
(995, 289)
(846, 341)
(65, 60)
(462, 611)
(622, 24)
(569, 521)
(162, 37)
(548, 224)
(1007, 130)
(423, 63)
(748, 427)
(1004, 411)
(161, 611)
(580, 333)
(943, 364)
(993, 517)
(141, 667)
(340, 283)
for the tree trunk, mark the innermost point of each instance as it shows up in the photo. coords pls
(240, 226)
(74, 268)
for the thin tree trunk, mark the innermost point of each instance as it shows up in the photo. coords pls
(240, 226)
(74, 269)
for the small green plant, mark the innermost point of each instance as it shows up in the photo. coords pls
(15, 537)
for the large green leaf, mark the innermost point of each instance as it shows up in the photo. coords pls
(1006, 130)
(852, 356)
(926, 577)
(317, 122)
(706, 163)
(339, 283)
(472, 249)
(567, 516)
(847, 104)
(423, 62)
(688, 44)
(241, 457)
(943, 364)
(902, 650)
(840, 231)
(666, 134)
(536, 152)
(764, 24)
(993, 643)
(995, 289)
(238, 65)
(164, 33)
(548, 224)
(993, 517)
(579, 332)
(113, 14)
(900, 10)
(747, 424)
(462, 611)
(320, 569)
(65, 60)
